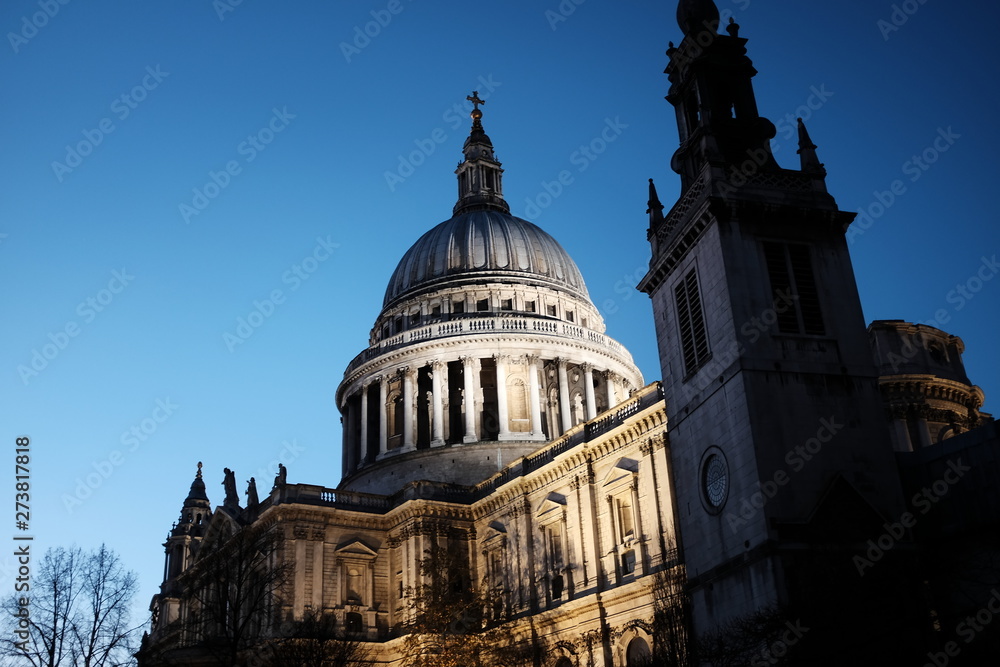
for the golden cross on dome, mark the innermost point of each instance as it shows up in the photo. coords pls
(474, 98)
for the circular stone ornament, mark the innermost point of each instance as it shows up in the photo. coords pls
(714, 479)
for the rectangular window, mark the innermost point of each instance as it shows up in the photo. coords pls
(458, 306)
(569, 315)
(626, 519)
(628, 562)
(551, 310)
(691, 322)
(795, 296)
(435, 310)
(555, 548)
(483, 305)
(529, 306)
(507, 304)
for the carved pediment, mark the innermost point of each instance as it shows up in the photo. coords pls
(553, 505)
(624, 469)
(355, 549)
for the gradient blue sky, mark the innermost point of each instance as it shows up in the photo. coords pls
(551, 86)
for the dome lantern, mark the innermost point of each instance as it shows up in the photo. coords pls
(480, 185)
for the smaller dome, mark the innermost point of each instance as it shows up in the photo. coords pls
(484, 246)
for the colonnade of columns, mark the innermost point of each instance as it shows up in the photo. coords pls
(399, 433)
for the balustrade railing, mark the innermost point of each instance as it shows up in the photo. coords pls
(456, 493)
(494, 322)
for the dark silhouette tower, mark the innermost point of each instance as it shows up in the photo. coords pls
(780, 448)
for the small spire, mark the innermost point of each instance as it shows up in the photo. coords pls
(197, 494)
(655, 209)
(807, 152)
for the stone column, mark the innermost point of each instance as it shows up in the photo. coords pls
(407, 409)
(502, 415)
(533, 396)
(588, 387)
(469, 397)
(349, 450)
(363, 445)
(923, 433)
(383, 434)
(437, 416)
(564, 413)
(640, 562)
(609, 381)
(903, 435)
(343, 440)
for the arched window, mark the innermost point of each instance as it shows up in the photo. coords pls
(638, 654)
(354, 623)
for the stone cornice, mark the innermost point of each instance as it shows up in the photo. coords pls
(904, 389)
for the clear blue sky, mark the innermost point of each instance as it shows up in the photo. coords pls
(146, 347)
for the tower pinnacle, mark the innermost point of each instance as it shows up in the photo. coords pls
(655, 208)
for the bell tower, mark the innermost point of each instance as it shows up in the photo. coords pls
(782, 462)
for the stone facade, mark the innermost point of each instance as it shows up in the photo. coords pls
(572, 535)
(491, 415)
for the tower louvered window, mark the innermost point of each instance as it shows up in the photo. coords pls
(691, 321)
(794, 294)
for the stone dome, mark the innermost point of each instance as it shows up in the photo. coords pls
(487, 347)
(482, 246)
